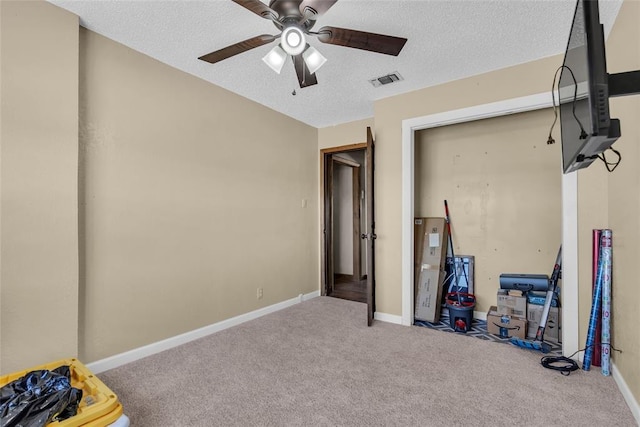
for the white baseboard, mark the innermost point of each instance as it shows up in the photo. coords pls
(307, 297)
(148, 350)
(389, 318)
(626, 393)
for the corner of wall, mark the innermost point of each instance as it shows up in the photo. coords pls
(39, 178)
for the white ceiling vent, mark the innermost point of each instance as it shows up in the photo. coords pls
(386, 79)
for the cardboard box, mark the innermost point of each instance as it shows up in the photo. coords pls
(428, 297)
(431, 239)
(538, 298)
(506, 326)
(512, 305)
(419, 225)
(553, 330)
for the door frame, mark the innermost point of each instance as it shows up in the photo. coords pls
(326, 262)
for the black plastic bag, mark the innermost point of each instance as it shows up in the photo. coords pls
(38, 398)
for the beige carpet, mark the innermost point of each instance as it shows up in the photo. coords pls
(318, 364)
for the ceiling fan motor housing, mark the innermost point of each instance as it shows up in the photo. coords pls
(289, 14)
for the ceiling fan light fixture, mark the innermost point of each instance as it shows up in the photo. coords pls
(313, 59)
(275, 58)
(293, 40)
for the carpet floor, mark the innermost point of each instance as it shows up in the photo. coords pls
(318, 364)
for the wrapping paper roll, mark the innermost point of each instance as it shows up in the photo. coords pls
(596, 305)
(606, 302)
(597, 234)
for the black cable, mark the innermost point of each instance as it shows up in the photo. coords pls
(583, 133)
(610, 166)
(565, 365)
(560, 363)
(615, 349)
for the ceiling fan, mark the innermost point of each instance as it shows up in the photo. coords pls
(294, 19)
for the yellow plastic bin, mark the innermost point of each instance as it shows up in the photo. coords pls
(99, 405)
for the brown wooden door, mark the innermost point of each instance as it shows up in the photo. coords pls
(327, 230)
(370, 231)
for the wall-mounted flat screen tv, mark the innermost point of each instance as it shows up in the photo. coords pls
(587, 129)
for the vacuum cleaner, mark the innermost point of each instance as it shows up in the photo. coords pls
(538, 343)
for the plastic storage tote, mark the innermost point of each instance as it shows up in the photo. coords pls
(99, 405)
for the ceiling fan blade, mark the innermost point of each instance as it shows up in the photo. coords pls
(305, 78)
(237, 48)
(259, 8)
(316, 7)
(379, 43)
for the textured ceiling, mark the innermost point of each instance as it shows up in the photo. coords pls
(447, 40)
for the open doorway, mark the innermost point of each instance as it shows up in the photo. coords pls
(344, 222)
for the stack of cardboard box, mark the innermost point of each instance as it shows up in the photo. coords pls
(509, 317)
(518, 314)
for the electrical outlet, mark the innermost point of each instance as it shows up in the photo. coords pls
(259, 293)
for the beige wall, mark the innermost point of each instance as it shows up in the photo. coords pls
(503, 190)
(344, 134)
(1, 98)
(612, 200)
(191, 199)
(38, 194)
